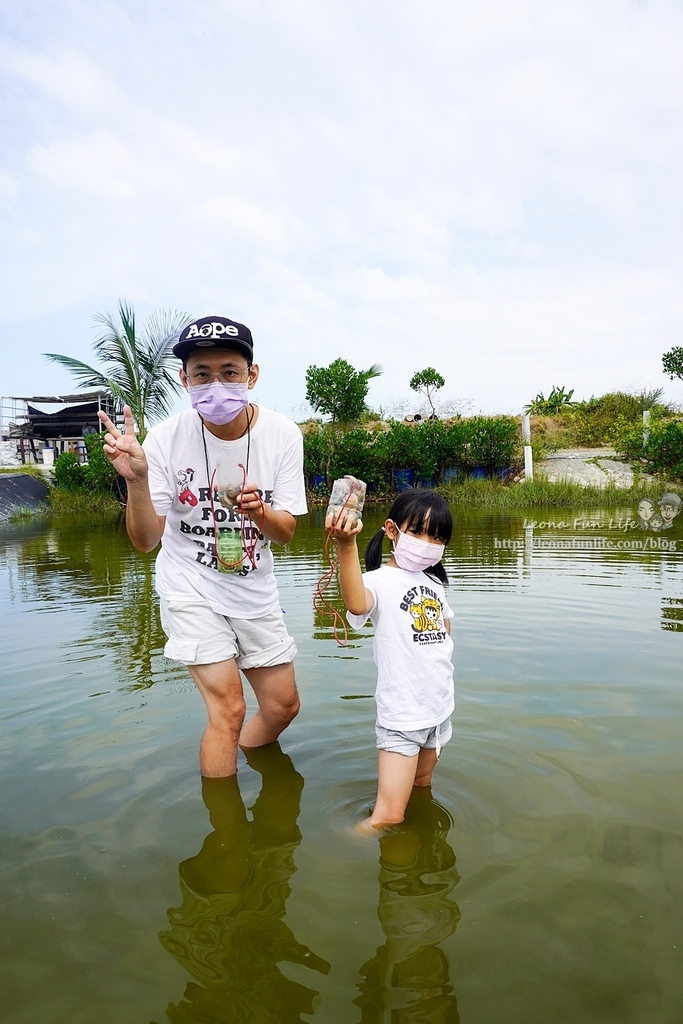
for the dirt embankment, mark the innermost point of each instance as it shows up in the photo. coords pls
(596, 467)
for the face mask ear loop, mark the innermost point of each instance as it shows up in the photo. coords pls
(392, 542)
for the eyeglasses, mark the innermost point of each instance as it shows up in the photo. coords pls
(199, 377)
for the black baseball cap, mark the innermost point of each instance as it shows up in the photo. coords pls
(214, 332)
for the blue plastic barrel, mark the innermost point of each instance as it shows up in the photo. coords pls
(404, 479)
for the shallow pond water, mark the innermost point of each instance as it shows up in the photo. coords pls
(541, 880)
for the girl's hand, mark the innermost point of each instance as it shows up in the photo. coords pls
(124, 451)
(343, 526)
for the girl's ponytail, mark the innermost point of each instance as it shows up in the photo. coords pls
(373, 552)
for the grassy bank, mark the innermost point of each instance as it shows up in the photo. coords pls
(29, 470)
(64, 503)
(540, 493)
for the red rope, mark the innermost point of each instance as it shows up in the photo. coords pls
(320, 602)
(248, 543)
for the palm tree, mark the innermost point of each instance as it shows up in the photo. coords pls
(137, 370)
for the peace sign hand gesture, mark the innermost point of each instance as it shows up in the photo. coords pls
(124, 451)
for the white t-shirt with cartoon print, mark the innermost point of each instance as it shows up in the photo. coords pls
(179, 474)
(411, 647)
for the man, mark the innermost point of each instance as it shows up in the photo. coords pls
(216, 484)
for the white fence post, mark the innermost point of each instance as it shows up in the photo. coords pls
(526, 438)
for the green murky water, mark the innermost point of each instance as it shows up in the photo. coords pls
(540, 881)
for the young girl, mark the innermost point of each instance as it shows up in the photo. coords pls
(407, 604)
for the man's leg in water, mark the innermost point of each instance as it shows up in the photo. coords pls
(220, 685)
(278, 703)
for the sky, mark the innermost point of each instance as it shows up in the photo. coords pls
(492, 189)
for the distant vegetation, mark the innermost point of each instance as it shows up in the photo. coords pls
(428, 450)
(391, 453)
(616, 420)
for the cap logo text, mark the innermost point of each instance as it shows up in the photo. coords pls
(214, 330)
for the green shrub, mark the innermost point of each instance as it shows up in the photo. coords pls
(664, 448)
(100, 475)
(69, 473)
(352, 454)
(595, 420)
(394, 449)
(96, 476)
(315, 451)
(627, 438)
(494, 442)
(456, 445)
(430, 449)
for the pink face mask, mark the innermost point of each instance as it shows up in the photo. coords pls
(416, 555)
(219, 403)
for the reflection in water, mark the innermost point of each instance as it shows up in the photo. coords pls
(672, 614)
(89, 562)
(407, 981)
(229, 931)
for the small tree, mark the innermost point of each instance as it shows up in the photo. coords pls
(672, 362)
(428, 381)
(338, 390)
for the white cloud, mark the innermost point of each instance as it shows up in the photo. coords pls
(9, 188)
(99, 164)
(67, 76)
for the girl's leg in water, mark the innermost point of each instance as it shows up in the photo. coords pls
(426, 762)
(396, 777)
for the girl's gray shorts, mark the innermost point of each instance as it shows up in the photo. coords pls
(411, 743)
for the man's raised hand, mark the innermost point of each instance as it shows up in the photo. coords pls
(123, 450)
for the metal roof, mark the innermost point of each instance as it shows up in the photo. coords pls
(83, 396)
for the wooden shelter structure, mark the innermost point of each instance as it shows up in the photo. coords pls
(33, 430)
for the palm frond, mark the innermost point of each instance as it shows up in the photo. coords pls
(375, 371)
(87, 376)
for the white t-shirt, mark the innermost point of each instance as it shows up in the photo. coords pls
(187, 566)
(412, 649)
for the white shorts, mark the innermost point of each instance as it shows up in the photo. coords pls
(197, 635)
(411, 743)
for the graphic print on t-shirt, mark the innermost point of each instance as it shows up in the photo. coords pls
(186, 495)
(206, 521)
(426, 612)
